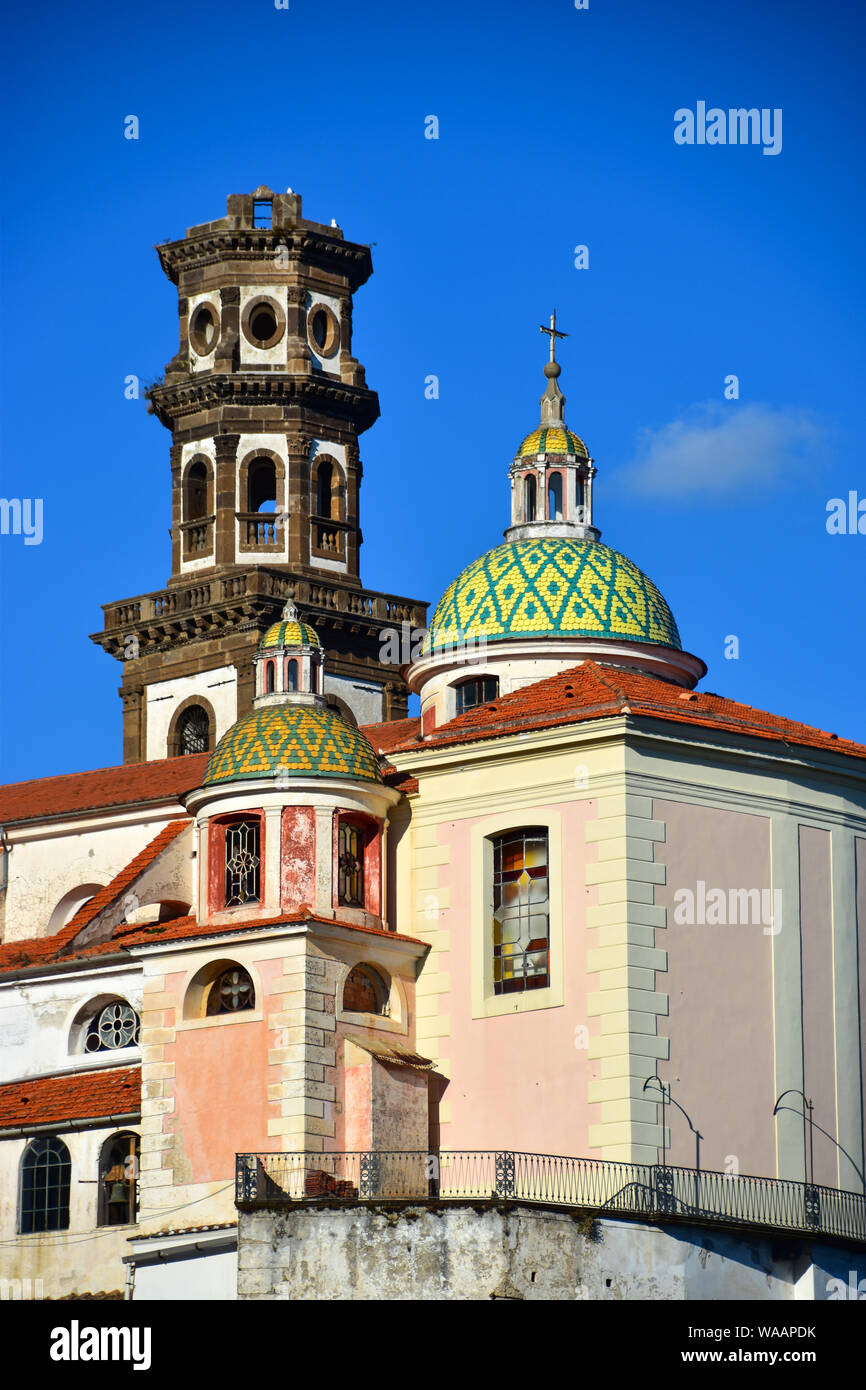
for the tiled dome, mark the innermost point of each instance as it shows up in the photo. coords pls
(293, 740)
(552, 587)
(290, 634)
(552, 440)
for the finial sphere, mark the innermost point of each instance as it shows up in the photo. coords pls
(552, 369)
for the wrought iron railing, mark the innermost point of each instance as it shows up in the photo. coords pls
(592, 1185)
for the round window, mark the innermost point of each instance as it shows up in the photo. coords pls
(114, 1026)
(324, 330)
(263, 323)
(203, 329)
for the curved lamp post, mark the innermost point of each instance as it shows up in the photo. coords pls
(808, 1118)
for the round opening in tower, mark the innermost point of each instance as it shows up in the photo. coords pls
(324, 330)
(263, 323)
(203, 329)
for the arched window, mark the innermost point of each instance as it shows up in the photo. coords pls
(581, 499)
(231, 992)
(351, 865)
(262, 485)
(46, 1170)
(242, 862)
(554, 497)
(529, 497)
(195, 492)
(116, 1025)
(193, 731)
(521, 911)
(292, 675)
(118, 1180)
(324, 479)
(478, 691)
(365, 992)
(269, 677)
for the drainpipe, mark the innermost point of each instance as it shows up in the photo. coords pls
(130, 1283)
(4, 859)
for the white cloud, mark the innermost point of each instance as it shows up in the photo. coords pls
(719, 448)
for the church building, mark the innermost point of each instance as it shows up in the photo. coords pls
(573, 900)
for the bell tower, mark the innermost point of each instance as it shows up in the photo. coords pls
(265, 403)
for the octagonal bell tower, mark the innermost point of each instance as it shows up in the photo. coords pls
(265, 402)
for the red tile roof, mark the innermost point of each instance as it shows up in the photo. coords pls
(165, 779)
(46, 1100)
(384, 737)
(592, 691)
(185, 927)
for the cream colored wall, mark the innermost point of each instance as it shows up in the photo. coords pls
(83, 1259)
(49, 860)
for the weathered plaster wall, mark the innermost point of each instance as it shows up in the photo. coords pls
(83, 1259)
(48, 862)
(461, 1253)
(36, 1019)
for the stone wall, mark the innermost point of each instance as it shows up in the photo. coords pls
(469, 1252)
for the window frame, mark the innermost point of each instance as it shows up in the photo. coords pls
(226, 826)
(485, 1002)
(525, 980)
(461, 685)
(64, 1186)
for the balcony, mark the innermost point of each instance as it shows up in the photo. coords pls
(643, 1191)
(197, 538)
(262, 532)
(327, 539)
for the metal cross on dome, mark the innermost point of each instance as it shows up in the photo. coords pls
(553, 333)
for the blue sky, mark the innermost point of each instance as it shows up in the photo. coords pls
(555, 130)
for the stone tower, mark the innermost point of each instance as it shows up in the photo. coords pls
(265, 403)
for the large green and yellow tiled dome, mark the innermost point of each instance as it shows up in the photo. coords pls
(290, 634)
(294, 740)
(552, 440)
(552, 587)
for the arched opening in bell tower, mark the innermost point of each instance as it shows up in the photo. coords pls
(262, 486)
(529, 497)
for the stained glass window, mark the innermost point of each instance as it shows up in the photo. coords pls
(242, 863)
(230, 992)
(521, 911)
(45, 1174)
(351, 866)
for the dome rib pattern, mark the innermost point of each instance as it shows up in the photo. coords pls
(290, 634)
(295, 741)
(552, 440)
(552, 587)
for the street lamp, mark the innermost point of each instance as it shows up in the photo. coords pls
(793, 1091)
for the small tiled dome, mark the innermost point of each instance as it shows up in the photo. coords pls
(307, 740)
(552, 440)
(552, 587)
(290, 634)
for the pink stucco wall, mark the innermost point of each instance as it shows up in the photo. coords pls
(719, 982)
(520, 1081)
(220, 1088)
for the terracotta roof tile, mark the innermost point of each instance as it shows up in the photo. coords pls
(160, 780)
(46, 1100)
(16, 955)
(591, 691)
(384, 737)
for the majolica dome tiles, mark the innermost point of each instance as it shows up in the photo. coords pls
(295, 740)
(290, 634)
(552, 440)
(552, 587)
